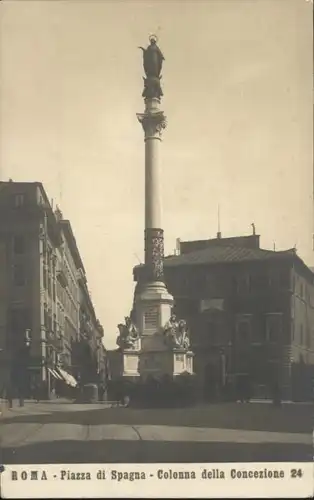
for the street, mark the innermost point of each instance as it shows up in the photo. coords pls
(63, 432)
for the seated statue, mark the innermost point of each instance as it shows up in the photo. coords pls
(128, 333)
(183, 336)
(176, 333)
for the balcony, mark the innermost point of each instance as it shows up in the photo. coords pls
(80, 276)
(62, 275)
(87, 331)
(55, 341)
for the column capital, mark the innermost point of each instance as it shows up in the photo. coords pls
(153, 124)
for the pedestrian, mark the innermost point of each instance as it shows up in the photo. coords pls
(240, 388)
(35, 391)
(247, 389)
(102, 391)
(10, 394)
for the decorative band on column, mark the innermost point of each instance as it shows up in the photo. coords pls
(154, 254)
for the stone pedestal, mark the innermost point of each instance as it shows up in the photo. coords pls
(157, 362)
(150, 355)
(130, 363)
(182, 361)
(152, 310)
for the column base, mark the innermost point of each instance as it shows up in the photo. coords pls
(151, 355)
(182, 362)
(153, 363)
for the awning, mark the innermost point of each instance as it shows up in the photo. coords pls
(55, 374)
(69, 379)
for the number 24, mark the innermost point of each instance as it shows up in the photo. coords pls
(296, 473)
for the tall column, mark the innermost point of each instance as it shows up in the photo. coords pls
(153, 121)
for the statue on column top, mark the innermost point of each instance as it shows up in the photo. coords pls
(152, 58)
(152, 62)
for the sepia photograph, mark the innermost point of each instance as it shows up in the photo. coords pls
(156, 235)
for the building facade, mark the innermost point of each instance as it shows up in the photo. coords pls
(39, 289)
(250, 312)
(89, 349)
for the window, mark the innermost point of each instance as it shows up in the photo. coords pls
(49, 284)
(301, 290)
(18, 200)
(49, 322)
(234, 285)
(249, 283)
(308, 338)
(212, 333)
(242, 284)
(293, 283)
(273, 327)
(279, 279)
(19, 244)
(19, 275)
(292, 330)
(261, 281)
(46, 319)
(210, 285)
(45, 277)
(243, 328)
(284, 280)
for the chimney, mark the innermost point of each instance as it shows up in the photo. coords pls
(58, 214)
(178, 246)
(218, 232)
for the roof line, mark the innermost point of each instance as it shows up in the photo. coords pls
(67, 225)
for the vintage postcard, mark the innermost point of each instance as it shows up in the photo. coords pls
(156, 249)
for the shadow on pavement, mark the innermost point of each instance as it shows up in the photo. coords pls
(288, 418)
(113, 451)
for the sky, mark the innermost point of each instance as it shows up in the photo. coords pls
(237, 82)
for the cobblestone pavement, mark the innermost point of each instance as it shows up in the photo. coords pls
(64, 432)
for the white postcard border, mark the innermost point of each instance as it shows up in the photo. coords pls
(293, 480)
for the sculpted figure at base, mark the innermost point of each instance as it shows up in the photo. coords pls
(176, 333)
(128, 334)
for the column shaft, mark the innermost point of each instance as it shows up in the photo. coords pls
(152, 184)
(153, 122)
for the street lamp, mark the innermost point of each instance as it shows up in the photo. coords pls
(25, 352)
(28, 338)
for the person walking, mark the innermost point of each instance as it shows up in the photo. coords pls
(240, 388)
